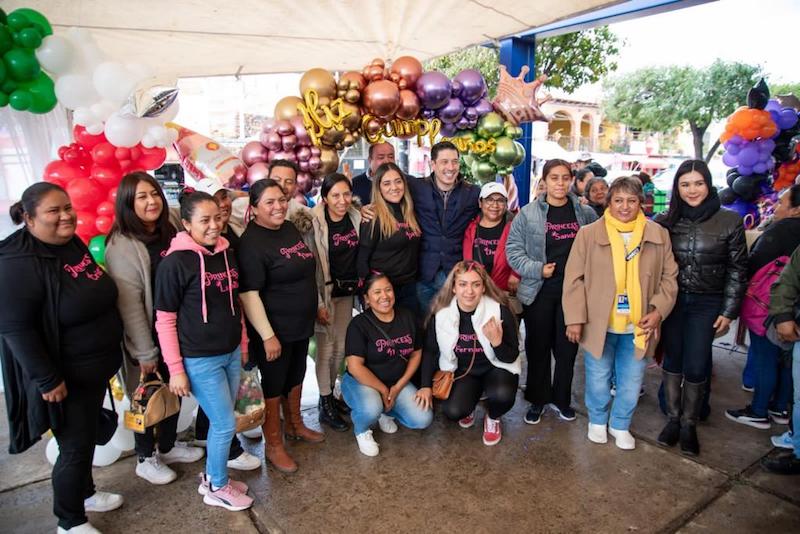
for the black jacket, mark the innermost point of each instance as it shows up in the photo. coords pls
(712, 257)
(779, 239)
(29, 337)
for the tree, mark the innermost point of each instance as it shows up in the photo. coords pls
(785, 89)
(660, 99)
(569, 60)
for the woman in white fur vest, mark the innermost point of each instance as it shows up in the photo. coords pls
(473, 333)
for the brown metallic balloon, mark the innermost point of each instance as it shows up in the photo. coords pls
(352, 96)
(407, 70)
(321, 81)
(286, 108)
(332, 136)
(330, 161)
(382, 98)
(375, 71)
(409, 105)
(349, 139)
(353, 121)
(355, 80)
(373, 127)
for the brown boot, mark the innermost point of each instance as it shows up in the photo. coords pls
(273, 438)
(295, 427)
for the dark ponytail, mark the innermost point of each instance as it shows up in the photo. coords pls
(794, 195)
(189, 199)
(258, 188)
(31, 198)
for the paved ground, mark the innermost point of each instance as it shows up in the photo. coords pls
(544, 478)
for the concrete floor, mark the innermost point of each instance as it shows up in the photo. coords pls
(543, 478)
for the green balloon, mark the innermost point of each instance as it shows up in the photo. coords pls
(468, 159)
(3, 73)
(519, 156)
(30, 38)
(483, 171)
(6, 41)
(43, 94)
(8, 86)
(21, 64)
(35, 18)
(17, 21)
(3, 16)
(20, 100)
(97, 246)
(514, 132)
(3, 100)
(504, 154)
(490, 125)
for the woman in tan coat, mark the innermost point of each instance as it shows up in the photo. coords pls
(619, 284)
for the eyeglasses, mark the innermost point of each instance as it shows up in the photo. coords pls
(499, 201)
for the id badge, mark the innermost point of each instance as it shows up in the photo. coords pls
(623, 306)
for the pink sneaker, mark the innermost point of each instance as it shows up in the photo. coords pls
(468, 421)
(229, 498)
(491, 431)
(204, 486)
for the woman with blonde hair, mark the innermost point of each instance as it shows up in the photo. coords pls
(390, 242)
(472, 332)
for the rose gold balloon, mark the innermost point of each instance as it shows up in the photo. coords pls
(373, 127)
(382, 98)
(353, 121)
(315, 151)
(409, 105)
(355, 80)
(286, 108)
(321, 81)
(330, 161)
(257, 172)
(408, 70)
(253, 152)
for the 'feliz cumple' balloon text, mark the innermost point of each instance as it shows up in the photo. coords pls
(401, 128)
(319, 118)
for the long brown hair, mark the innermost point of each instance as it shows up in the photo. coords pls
(127, 222)
(445, 295)
(384, 216)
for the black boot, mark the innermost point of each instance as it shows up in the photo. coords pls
(342, 406)
(329, 416)
(672, 392)
(692, 403)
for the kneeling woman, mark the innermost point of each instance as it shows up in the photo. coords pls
(384, 349)
(625, 263)
(199, 325)
(473, 333)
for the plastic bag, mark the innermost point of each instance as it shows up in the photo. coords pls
(249, 407)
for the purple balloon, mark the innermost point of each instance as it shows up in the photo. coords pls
(736, 139)
(760, 167)
(732, 148)
(428, 114)
(463, 123)
(729, 159)
(748, 156)
(473, 85)
(744, 170)
(448, 130)
(253, 152)
(766, 146)
(455, 87)
(483, 107)
(452, 112)
(471, 113)
(433, 90)
(786, 119)
(773, 105)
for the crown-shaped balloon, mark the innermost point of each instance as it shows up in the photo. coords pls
(516, 99)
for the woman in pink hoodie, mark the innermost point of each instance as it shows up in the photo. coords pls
(200, 330)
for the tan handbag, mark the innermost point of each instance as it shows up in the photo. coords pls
(443, 380)
(152, 403)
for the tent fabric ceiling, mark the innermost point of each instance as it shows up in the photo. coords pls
(207, 38)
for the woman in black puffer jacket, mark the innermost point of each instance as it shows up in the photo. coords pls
(709, 246)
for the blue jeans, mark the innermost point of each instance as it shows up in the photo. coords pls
(771, 378)
(427, 290)
(796, 408)
(366, 406)
(749, 371)
(215, 381)
(619, 356)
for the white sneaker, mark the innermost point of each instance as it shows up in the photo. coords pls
(153, 471)
(367, 444)
(245, 462)
(181, 453)
(253, 433)
(103, 501)
(623, 439)
(597, 433)
(85, 528)
(387, 424)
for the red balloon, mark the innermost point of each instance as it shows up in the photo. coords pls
(103, 224)
(56, 181)
(112, 195)
(125, 165)
(136, 152)
(86, 224)
(85, 194)
(61, 170)
(86, 139)
(106, 176)
(106, 208)
(61, 151)
(104, 154)
(122, 153)
(152, 158)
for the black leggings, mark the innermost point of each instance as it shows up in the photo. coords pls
(499, 385)
(201, 426)
(165, 432)
(280, 376)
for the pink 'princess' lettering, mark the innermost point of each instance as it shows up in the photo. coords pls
(392, 349)
(221, 280)
(300, 250)
(468, 344)
(405, 227)
(489, 245)
(349, 240)
(562, 230)
(87, 266)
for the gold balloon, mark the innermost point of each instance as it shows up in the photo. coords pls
(372, 127)
(330, 161)
(286, 108)
(354, 80)
(352, 96)
(321, 81)
(349, 139)
(332, 136)
(353, 121)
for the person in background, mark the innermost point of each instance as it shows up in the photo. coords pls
(649, 193)
(200, 329)
(709, 247)
(538, 245)
(378, 154)
(595, 193)
(539, 188)
(581, 162)
(617, 325)
(389, 243)
(336, 226)
(279, 292)
(135, 246)
(384, 349)
(60, 336)
(473, 333)
(773, 380)
(582, 176)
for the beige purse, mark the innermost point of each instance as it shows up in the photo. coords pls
(152, 403)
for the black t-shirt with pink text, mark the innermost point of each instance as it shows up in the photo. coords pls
(342, 253)
(281, 267)
(485, 245)
(396, 256)
(157, 250)
(180, 288)
(560, 231)
(386, 353)
(90, 325)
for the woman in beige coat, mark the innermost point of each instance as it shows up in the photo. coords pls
(619, 284)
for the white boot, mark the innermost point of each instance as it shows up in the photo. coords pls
(624, 439)
(597, 433)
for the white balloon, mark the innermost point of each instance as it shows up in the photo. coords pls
(123, 131)
(253, 433)
(122, 439)
(95, 128)
(55, 54)
(186, 416)
(51, 451)
(113, 82)
(105, 455)
(84, 116)
(103, 110)
(148, 141)
(170, 113)
(75, 91)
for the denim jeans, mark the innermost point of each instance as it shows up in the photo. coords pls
(619, 356)
(366, 406)
(796, 408)
(749, 371)
(688, 333)
(427, 290)
(215, 381)
(772, 379)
